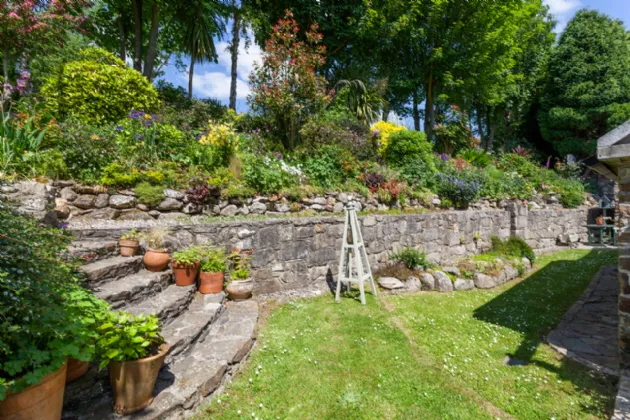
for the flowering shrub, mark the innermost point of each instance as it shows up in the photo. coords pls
(286, 87)
(381, 131)
(407, 146)
(223, 139)
(459, 190)
(269, 174)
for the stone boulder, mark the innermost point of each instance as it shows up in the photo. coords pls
(177, 195)
(102, 201)
(229, 211)
(510, 272)
(451, 270)
(463, 284)
(428, 281)
(170, 204)
(413, 284)
(390, 283)
(483, 281)
(526, 263)
(62, 209)
(119, 201)
(84, 201)
(443, 282)
(68, 194)
(258, 208)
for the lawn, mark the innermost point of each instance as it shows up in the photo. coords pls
(424, 356)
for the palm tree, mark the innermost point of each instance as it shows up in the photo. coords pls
(358, 99)
(203, 19)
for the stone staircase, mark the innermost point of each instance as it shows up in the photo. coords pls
(208, 336)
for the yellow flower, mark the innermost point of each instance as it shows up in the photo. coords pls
(94, 137)
(384, 129)
(147, 116)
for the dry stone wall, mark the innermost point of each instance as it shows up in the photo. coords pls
(548, 228)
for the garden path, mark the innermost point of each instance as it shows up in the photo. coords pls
(588, 331)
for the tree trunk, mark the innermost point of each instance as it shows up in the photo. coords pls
(123, 35)
(236, 29)
(137, 35)
(191, 72)
(416, 113)
(480, 127)
(5, 64)
(149, 61)
(429, 111)
(491, 129)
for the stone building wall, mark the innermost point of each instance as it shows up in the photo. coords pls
(298, 253)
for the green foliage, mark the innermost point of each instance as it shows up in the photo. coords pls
(239, 265)
(148, 194)
(116, 175)
(125, 337)
(412, 259)
(98, 88)
(132, 234)
(478, 158)
(408, 146)
(45, 315)
(328, 166)
(513, 247)
(188, 257)
(18, 137)
(214, 261)
(588, 91)
(268, 174)
(571, 192)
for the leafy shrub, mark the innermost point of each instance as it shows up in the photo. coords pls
(237, 191)
(408, 146)
(149, 194)
(373, 180)
(127, 337)
(268, 174)
(381, 130)
(328, 166)
(459, 189)
(198, 192)
(187, 257)
(338, 129)
(18, 137)
(176, 97)
(45, 316)
(514, 247)
(214, 261)
(419, 174)
(478, 158)
(115, 174)
(412, 259)
(571, 192)
(98, 88)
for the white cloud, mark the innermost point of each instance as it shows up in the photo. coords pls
(214, 84)
(246, 57)
(562, 11)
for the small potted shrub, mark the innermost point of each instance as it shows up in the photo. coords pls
(129, 243)
(240, 286)
(156, 258)
(133, 350)
(212, 272)
(185, 266)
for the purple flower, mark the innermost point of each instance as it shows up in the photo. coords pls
(63, 225)
(198, 136)
(278, 155)
(119, 128)
(138, 136)
(375, 133)
(147, 123)
(25, 75)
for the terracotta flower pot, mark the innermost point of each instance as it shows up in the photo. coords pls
(43, 401)
(185, 275)
(240, 289)
(76, 369)
(128, 247)
(133, 381)
(156, 260)
(210, 283)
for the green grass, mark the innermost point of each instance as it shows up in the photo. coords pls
(424, 356)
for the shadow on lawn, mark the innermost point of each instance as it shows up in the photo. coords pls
(536, 305)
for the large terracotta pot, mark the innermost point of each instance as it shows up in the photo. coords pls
(76, 369)
(133, 381)
(43, 401)
(185, 275)
(156, 260)
(210, 283)
(240, 289)
(128, 247)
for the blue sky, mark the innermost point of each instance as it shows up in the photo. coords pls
(213, 80)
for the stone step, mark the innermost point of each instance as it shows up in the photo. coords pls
(192, 325)
(185, 384)
(166, 305)
(133, 288)
(93, 250)
(113, 268)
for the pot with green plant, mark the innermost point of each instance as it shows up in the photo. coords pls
(185, 266)
(240, 286)
(212, 272)
(129, 243)
(133, 349)
(156, 258)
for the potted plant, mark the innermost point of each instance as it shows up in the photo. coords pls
(129, 243)
(599, 220)
(156, 258)
(185, 266)
(133, 349)
(240, 284)
(212, 272)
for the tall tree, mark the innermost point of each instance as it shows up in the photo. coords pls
(588, 89)
(203, 20)
(234, 46)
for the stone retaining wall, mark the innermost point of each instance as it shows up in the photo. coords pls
(548, 228)
(297, 253)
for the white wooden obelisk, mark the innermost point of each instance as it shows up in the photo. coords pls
(354, 266)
